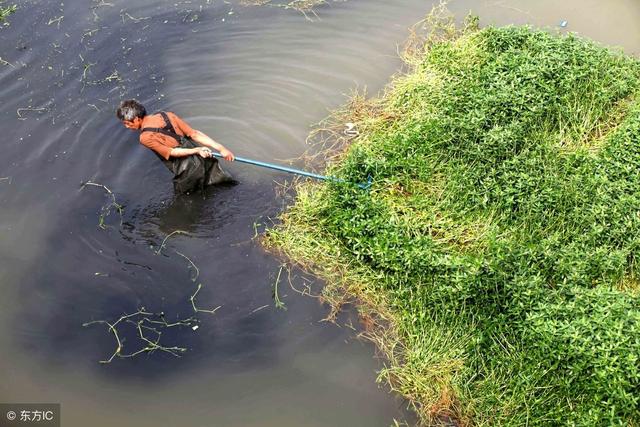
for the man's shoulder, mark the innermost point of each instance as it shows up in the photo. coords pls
(180, 124)
(154, 120)
(172, 115)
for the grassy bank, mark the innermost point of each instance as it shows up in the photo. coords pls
(494, 257)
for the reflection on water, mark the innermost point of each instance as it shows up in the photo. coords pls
(255, 79)
(195, 214)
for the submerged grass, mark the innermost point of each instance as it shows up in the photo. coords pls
(495, 254)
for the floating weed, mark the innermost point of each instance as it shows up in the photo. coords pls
(5, 11)
(254, 2)
(276, 298)
(167, 238)
(20, 111)
(305, 7)
(193, 303)
(149, 326)
(299, 5)
(144, 323)
(105, 211)
(56, 21)
(197, 270)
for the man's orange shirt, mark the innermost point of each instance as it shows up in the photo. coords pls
(160, 143)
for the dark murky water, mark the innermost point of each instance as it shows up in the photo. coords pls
(253, 78)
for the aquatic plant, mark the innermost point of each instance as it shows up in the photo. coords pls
(148, 326)
(496, 250)
(276, 298)
(6, 10)
(106, 209)
(303, 6)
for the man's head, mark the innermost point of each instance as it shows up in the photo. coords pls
(131, 113)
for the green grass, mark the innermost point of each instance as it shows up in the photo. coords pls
(496, 251)
(6, 11)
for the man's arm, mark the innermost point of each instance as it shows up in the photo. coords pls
(184, 152)
(200, 138)
(203, 139)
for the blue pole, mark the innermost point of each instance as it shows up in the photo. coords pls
(292, 170)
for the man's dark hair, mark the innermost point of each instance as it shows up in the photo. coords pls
(130, 109)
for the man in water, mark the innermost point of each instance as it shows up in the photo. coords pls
(186, 152)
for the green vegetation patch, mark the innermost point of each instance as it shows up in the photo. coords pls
(496, 251)
(6, 10)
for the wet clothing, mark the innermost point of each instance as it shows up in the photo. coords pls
(159, 142)
(190, 173)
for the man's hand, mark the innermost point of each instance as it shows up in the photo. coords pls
(228, 155)
(204, 152)
(203, 139)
